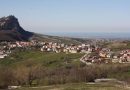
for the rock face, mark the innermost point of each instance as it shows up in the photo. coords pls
(10, 30)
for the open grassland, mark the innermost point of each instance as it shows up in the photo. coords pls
(50, 60)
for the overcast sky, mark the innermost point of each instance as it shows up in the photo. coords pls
(69, 15)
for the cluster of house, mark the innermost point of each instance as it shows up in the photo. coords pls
(105, 55)
(3, 53)
(7, 47)
(56, 47)
(125, 56)
(93, 53)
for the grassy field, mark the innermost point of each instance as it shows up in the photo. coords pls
(44, 58)
(80, 86)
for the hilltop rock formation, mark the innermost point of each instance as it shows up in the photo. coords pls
(10, 30)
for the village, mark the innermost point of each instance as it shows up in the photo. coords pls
(93, 53)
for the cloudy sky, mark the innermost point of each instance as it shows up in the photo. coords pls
(47, 16)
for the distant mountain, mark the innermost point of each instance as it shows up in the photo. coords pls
(10, 30)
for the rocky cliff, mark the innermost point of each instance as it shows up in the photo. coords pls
(10, 30)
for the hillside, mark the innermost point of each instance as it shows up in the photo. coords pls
(49, 60)
(35, 68)
(66, 40)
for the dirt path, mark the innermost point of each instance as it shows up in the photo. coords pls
(118, 83)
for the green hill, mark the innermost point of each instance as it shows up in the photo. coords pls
(44, 58)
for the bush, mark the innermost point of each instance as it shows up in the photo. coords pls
(38, 75)
(6, 77)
